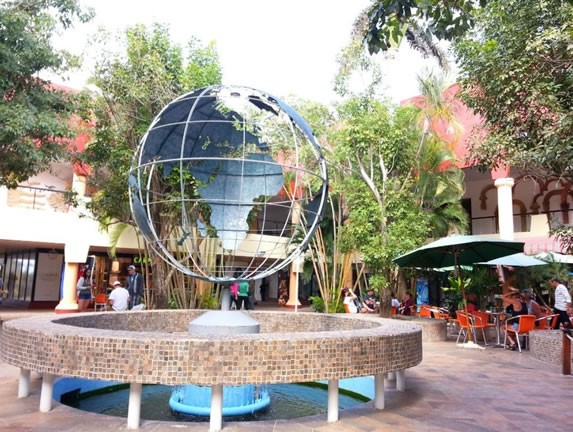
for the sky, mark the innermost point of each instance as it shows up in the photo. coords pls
(281, 47)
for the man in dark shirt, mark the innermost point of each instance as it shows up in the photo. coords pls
(134, 285)
(370, 301)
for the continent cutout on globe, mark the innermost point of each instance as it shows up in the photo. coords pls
(230, 188)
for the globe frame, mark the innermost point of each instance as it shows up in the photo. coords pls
(205, 137)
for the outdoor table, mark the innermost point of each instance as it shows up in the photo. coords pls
(497, 321)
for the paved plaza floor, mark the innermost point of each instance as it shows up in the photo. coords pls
(453, 389)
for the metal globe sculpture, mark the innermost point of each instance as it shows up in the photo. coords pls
(228, 183)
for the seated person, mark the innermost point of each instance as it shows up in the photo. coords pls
(471, 302)
(119, 297)
(407, 304)
(350, 299)
(515, 308)
(370, 303)
(395, 305)
(533, 307)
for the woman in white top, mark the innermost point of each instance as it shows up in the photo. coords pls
(84, 290)
(348, 301)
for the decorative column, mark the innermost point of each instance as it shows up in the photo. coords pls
(295, 270)
(401, 380)
(379, 391)
(46, 393)
(134, 405)
(75, 253)
(24, 383)
(332, 401)
(505, 207)
(216, 417)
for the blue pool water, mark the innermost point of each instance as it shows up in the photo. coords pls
(288, 401)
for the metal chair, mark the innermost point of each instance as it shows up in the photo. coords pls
(546, 322)
(100, 300)
(481, 321)
(464, 323)
(525, 323)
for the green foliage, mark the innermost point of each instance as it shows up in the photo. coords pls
(135, 86)
(34, 115)
(208, 301)
(317, 304)
(401, 182)
(516, 72)
(564, 233)
(136, 79)
(388, 21)
(484, 282)
(377, 148)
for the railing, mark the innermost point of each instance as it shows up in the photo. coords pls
(522, 222)
(37, 198)
(275, 228)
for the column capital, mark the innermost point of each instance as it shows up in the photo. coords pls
(505, 181)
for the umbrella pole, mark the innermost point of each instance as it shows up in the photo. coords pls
(463, 290)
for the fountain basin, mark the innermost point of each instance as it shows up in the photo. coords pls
(153, 347)
(237, 400)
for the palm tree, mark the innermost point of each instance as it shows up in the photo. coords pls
(438, 180)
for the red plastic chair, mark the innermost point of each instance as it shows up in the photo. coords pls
(525, 323)
(546, 322)
(481, 322)
(425, 312)
(464, 324)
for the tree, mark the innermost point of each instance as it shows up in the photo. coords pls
(401, 182)
(34, 114)
(516, 73)
(439, 183)
(389, 21)
(376, 148)
(134, 87)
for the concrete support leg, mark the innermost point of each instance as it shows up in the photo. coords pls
(401, 380)
(332, 400)
(134, 406)
(379, 391)
(216, 418)
(24, 383)
(47, 392)
(391, 376)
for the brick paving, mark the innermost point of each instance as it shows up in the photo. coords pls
(453, 389)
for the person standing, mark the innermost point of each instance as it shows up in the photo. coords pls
(234, 289)
(244, 295)
(119, 297)
(562, 305)
(263, 288)
(134, 286)
(84, 289)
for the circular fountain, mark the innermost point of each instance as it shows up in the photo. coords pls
(154, 347)
(214, 160)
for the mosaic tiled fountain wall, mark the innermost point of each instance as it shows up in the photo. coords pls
(153, 347)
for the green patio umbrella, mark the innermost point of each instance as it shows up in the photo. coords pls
(515, 260)
(456, 251)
